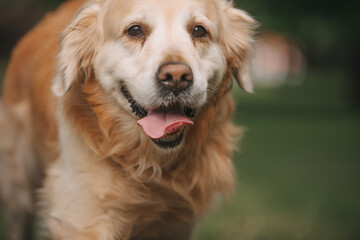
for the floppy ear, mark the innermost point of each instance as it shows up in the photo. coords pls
(237, 40)
(78, 46)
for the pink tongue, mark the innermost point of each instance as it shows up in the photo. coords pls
(158, 124)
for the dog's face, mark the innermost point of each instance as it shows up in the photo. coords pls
(164, 52)
(160, 59)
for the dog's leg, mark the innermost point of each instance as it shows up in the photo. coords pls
(16, 185)
(75, 205)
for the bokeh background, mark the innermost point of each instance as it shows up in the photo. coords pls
(298, 170)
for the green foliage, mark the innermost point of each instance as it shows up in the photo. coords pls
(326, 29)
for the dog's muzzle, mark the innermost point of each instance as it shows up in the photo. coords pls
(164, 126)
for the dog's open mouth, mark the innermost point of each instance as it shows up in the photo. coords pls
(164, 126)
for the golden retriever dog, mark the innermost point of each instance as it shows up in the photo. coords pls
(115, 118)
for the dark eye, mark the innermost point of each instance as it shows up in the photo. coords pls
(200, 32)
(135, 31)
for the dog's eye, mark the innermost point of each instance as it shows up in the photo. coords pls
(135, 31)
(200, 32)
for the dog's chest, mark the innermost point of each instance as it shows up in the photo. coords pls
(158, 211)
(164, 214)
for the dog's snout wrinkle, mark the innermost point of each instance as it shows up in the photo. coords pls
(175, 77)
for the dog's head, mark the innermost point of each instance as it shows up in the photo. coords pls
(160, 59)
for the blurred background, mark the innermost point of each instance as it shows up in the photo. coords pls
(298, 170)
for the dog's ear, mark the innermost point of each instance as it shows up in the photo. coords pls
(78, 46)
(237, 40)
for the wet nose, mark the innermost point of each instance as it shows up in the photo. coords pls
(175, 77)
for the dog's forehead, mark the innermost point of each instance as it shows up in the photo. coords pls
(168, 9)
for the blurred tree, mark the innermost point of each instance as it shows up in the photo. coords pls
(17, 17)
(327, 29)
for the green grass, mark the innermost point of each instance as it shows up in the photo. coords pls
(298, 170)
(297, 179)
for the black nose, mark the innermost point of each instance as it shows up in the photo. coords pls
(175, 77)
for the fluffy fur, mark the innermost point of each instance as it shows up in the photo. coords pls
(99, 175)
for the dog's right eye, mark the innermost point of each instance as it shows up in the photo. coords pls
(135, 31)
(200, 32)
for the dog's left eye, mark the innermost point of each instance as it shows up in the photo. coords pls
(199, 32)
(135, 31)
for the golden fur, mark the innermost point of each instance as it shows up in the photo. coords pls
(119, 185)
